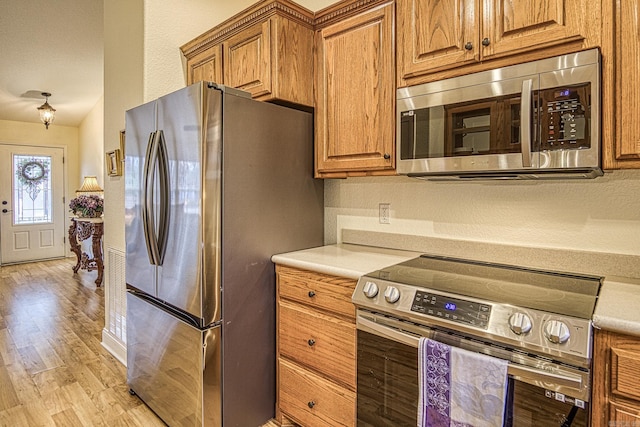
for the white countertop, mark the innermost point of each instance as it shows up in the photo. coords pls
(344, 260)
(617, 310)
(618, 307)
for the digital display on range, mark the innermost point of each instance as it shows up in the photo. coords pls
(457, 310)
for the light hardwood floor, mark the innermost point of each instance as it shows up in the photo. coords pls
(53, 370)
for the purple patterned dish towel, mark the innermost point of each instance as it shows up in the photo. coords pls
(459, 388)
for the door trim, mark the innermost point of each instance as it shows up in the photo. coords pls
(65, 184)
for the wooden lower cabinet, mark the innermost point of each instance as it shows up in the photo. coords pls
(316, 349)
(616, 376)
(311, 399)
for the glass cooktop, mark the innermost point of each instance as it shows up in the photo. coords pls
(556, 292)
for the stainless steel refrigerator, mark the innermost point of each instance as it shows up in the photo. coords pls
(215, 184)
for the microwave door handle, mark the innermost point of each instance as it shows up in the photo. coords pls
(518, 371)
(525, 122)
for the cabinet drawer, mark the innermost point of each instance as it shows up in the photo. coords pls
(314, 401)
(317, 290)
(324, 343)
(625, 371)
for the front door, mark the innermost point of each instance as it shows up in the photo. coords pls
(32, 205)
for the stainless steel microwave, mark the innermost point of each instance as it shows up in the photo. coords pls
(538, 119)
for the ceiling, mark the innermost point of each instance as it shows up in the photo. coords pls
(50, 46)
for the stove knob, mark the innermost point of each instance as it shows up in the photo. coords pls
(556, 331)
(520, 323)
(370, 289)
(391, 294)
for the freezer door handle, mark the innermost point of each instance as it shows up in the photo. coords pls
(164, 214)
(148, 213)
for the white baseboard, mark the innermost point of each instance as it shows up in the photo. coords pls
(114, 346)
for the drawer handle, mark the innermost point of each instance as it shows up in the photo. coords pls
(312, 294)
(311, 342)
(311, 404)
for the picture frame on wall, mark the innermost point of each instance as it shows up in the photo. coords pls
(114, 162)
(122, 142)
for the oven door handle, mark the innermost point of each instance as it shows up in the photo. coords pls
(520, 372)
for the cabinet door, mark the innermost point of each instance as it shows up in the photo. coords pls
(625, 150)
(436, 34)
(312, 400)
(206, 66)
(247, 57)
(326, 343)
(510, 26)
(622, 415)
(355, 93)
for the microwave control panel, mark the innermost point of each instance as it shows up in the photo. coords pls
(564, 114)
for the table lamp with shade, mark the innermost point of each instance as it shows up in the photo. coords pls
(90, 186)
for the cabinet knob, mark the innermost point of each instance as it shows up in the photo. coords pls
(311, 404)
(4, 202)
(387, 156)
(4, 211)
(468, 46)
(486, 41)
(312, 294)
(311, 342)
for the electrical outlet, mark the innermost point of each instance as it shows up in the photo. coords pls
(384, 212)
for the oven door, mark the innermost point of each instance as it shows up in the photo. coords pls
(540, 392)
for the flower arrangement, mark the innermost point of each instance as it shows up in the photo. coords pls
(87, 206)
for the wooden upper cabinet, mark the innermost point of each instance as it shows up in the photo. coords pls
(436, 34)
(621, 93)
(355, 94)
(488, 33)
(206, 66)
(248, 60)
(511, 26)
(266, 50)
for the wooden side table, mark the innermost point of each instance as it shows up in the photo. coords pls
(81, 229)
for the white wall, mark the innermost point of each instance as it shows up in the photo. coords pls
(123, 89)
(91, 144)
(601, 215)
(168, 24)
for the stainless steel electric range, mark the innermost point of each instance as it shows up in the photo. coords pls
(539, 321)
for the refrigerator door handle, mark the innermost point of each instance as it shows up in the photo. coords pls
(148, 213)
(164, 214)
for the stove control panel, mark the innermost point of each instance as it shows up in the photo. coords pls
(454, 309)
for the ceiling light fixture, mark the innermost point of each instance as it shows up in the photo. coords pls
(47, 113)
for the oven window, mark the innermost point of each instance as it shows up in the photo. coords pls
(387, 382)
(387, 393)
